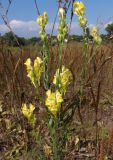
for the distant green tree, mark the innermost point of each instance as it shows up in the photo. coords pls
(11, 39)
(33, 40)
(77, 38)
(109, 29)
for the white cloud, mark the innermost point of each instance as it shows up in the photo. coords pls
(31, 28)
(75, 29)
(105, 25)
(21, 28)
(3, 28)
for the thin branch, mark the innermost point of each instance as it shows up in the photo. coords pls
(37, 7)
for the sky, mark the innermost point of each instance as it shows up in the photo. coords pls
(22, 16)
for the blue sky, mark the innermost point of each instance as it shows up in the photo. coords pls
(22, 15)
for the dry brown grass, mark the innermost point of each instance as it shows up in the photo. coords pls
(15, 88)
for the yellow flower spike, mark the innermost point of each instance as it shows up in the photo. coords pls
(62, 28)
(28, 64)
(61, 13)
(31, 108)
(42, 20)
(29, 68)
(79, 8)
(53, 101)
(63, 79)
(25, 110)
(34, 72)
(94, 31)
(46, 17)
(39, 20)
(82, 21)
(96, 36)
(38, 69)
(28, 113)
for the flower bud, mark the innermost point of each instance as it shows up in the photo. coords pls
(96, 36)
(61, 13)
(79, 8)
(82, 21)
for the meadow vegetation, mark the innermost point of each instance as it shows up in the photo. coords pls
(56, 101)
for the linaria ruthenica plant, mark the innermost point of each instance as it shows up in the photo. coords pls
(34, 71)
(53, 101)
(42, 22)
(28, 113)
(62, 79)
(79, 10)
(96, 36)
(62, 28)
(55, 91)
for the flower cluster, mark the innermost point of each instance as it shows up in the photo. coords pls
(79, 10)
(34, 72)
(42, 21)
(62, 79)
(28, 113)
(53, 101)
(96, 36)
(62, 28)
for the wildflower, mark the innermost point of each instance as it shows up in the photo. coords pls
(28, 113)
(61, 13)
(42, 20)
(29, 67)
(82, 21)
(35, 71)
(79, 8)
(38, 69)
(98, 40)
(62, 28)
(94, 31)
(96, 37)
(53, 101)
(62, 79)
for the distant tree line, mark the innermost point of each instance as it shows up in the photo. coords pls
(11, 39)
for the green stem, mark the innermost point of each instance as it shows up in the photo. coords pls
(86, 54)
(60, 57)
(46, 58)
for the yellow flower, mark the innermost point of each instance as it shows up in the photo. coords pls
(82, 21)
(97, 39)
(45, 16)
(28, 113)
(63, 79)
(53, 101)
(61, 13)
(79, 8)
(28, 63)
(94, 31)
(35, 71)
(96, 36)
(38, 69)
(29, 70)
(62, 28)
(42, 20)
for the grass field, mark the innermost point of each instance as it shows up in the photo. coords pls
(91, 127)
